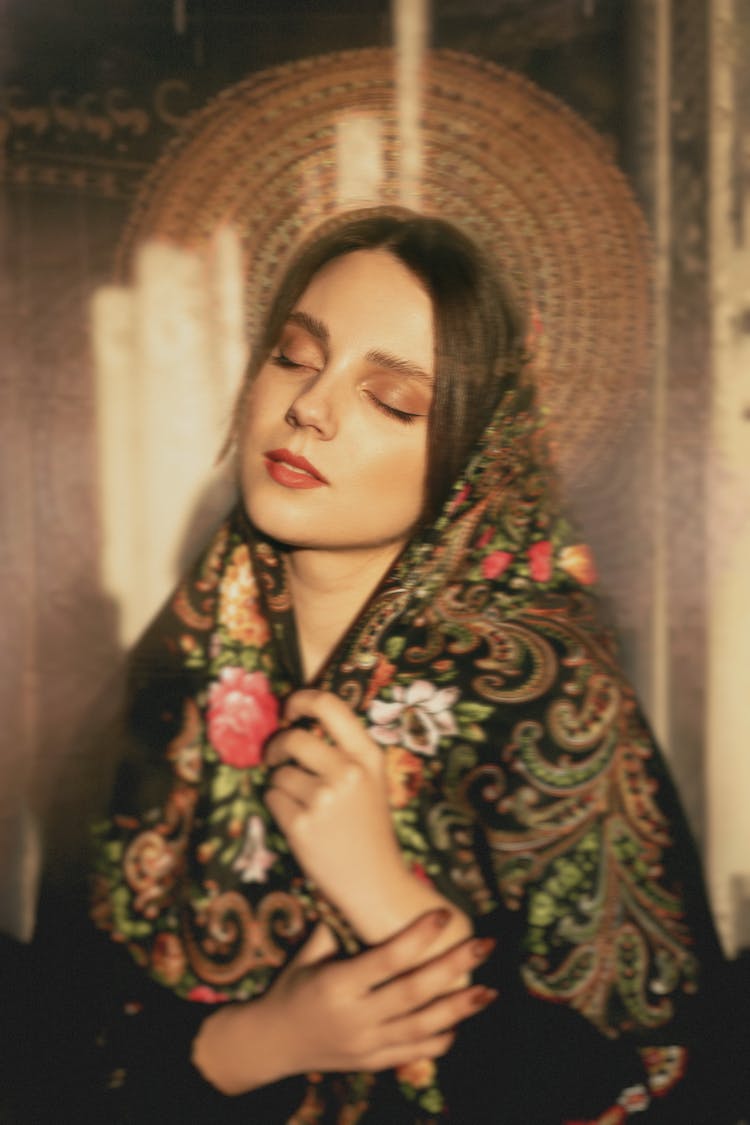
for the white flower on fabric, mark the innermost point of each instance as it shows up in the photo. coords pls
(416, 718)
(255, 859)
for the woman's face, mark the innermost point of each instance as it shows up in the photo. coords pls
(333, 449)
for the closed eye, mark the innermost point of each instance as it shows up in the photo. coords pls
(281, 360)
(400, 415)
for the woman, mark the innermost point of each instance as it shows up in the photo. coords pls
(376, 731)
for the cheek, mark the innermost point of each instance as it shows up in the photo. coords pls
(401, 474)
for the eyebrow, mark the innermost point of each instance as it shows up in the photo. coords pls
(403, 366)
(319, 332)
(311, 324)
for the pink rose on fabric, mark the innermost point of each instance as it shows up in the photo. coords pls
(495, 563)
(242, 713)
(540, 560)
(204, 994)
(485, 537)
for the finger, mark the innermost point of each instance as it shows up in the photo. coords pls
(283, 809)
(442, 1014)
(393, 1056)
(401, 953)
(334, 715)
(437, 977)
(295, 783)
(320, 946)
(307, 749)
(275, 750)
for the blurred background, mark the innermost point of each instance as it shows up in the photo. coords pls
(90, 94)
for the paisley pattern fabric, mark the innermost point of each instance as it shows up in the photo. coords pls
(521, 776)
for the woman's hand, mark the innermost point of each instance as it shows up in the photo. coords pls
(328, 795)
(380, 1009)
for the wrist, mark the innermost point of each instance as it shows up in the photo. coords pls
(234, 1051)
(384, 908)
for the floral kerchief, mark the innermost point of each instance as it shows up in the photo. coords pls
(520, 773)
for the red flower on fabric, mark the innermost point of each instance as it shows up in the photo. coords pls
(242, 713)
(615, 1115)
(540, 560)
(459, 498)
(495, 563)
(381, 676)
(419, 872)
(204, 994)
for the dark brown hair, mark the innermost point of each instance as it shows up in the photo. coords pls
(479, 331)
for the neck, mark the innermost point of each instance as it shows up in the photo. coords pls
(329, 588)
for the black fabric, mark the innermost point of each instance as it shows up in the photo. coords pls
(544, 1064)
(88, 1038)
(532, 1059)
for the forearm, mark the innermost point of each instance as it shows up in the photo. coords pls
(379, 909)
(242, 1047)
(379, 1009)
(145, 1035)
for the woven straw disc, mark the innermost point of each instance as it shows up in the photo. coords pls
(507, 161)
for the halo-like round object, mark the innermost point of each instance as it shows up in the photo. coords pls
(508, 162)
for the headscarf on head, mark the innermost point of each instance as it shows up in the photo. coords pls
(522, 780)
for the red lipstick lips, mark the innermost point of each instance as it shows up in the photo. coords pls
(291, 470)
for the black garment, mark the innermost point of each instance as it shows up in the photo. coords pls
(77, 1013)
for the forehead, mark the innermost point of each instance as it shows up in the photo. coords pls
(372, 295)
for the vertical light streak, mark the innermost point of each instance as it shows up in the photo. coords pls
(728, 525)
(117, 443)
(169, 353)
(359, 159)
(225, 284)
(410, 20)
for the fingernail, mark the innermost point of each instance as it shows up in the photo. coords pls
(481, 948)
(440, 918)
(482, 996)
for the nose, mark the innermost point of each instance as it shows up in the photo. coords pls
(313, 408)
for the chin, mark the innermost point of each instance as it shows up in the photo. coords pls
(298, 523)
(290, 530)
(277, 530)
(295, 535)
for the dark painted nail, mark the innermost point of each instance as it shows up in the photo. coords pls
(440, 918)
(481, 948)
(482, 996)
